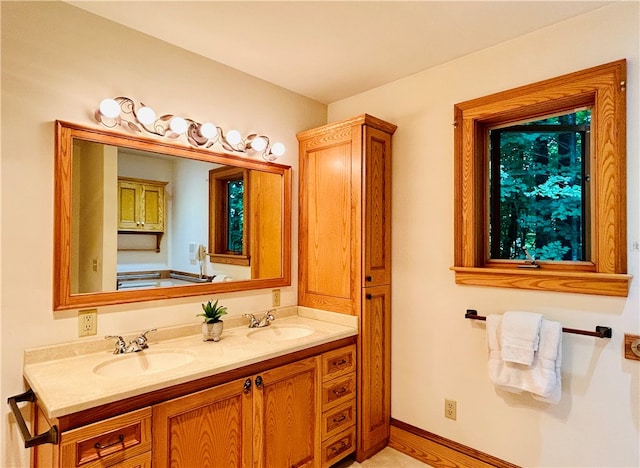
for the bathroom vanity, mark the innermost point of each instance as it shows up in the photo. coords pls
(307, 391)
(283, 395)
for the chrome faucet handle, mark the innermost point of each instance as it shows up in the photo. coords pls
(121, 346)
(253, 321)
(133, 347)
(267, 318)
(142, 339)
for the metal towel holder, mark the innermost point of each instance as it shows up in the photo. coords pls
(49, 437)
(601, 332)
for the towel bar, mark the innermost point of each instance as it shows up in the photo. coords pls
(49, 437)
(601, 332)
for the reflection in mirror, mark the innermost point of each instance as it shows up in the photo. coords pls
(138, 220)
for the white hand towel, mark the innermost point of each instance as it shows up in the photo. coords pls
(543, 378)
(520, 336)
(551, 351)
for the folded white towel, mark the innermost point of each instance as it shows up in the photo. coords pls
(543, 378)
(520, 336)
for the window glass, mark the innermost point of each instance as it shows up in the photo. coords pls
(539, 189)
(235, 215)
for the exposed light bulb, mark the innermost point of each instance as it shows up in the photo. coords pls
(208, 130)
(178, 125)
(233, 137)
(259, 143)
(277, 149)
(203, 135)
(110, 108)
(146, 115)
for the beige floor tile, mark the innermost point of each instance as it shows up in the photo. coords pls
(386, 458)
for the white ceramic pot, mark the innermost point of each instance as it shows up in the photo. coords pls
(212, 331)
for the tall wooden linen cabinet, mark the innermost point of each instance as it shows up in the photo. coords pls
(345, 252)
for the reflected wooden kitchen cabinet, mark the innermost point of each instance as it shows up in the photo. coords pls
(141, 206)
(345, 251)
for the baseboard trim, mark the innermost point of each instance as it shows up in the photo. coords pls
(438, 451)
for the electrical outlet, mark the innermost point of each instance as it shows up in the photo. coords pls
(87, 322)
(450, 409)
(275, 298)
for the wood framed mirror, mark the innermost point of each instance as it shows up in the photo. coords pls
(133, 220)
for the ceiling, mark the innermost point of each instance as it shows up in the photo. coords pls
(329, 50)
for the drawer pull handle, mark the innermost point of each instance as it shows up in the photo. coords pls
(339, 363)
(99, 446)
(339, 446)
(340, 391)
(340, 418)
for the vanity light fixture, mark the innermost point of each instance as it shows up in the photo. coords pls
(123, 111)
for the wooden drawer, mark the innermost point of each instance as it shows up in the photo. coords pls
(338, 362)
(338, 391)
(338, 419)
(141, 461)
(338, 447)
(108, 442)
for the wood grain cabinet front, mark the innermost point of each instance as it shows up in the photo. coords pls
(122, 441)
(344, 258)
(264, 420)
(338, 404)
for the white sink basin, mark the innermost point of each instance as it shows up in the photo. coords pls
(280, 332)
(143, 363)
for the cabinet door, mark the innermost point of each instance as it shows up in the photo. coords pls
(286, 417)
(128, 205)
(377, 208)
(152, 212)
(374, 371)
(329, 233)
(211, 428)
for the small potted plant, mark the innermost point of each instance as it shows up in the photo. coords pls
(212, 325)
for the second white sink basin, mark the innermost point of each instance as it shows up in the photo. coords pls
(144, 362)
(280, 332)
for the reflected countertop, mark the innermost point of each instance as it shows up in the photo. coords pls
(65, 380)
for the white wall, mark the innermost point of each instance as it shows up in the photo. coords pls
(436, 353)
(58, 62)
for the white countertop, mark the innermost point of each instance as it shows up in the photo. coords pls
(65, 385)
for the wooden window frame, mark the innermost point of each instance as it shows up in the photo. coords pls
(603, 89)
(218, 253)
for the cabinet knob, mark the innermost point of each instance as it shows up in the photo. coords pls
(368, 278)
(247, 386)
(369, 296)
(259, 382)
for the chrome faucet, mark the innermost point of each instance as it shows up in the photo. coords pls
(135, 345)
(263, 322)
(121, 346)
